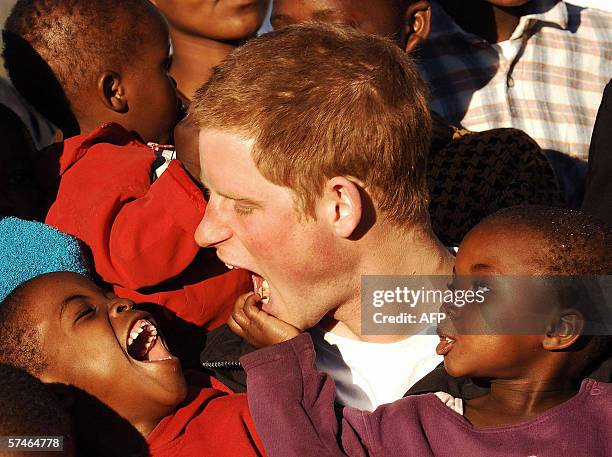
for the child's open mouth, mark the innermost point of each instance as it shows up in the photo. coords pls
(445, 345)
(144, 344)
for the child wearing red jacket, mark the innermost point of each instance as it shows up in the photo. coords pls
(126, 392)
(136, 209)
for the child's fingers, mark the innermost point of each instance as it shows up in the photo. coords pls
(252, 309)
(235, 327)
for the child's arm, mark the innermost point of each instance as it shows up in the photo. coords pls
(151, 238)
(291, 402)
(140, 234)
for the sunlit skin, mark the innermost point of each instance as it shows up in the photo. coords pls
(313, 266)
(253, 225)
(84, 335)
(142, 95)
(528, 374)
(204, 32)
(407, 27)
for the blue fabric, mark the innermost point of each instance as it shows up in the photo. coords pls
(31, 249)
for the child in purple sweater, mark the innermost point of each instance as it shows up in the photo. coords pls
(538, 403)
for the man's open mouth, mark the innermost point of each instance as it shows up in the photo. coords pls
(261, 287)
(145, 344)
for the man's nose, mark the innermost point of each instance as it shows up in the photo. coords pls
(212, 229)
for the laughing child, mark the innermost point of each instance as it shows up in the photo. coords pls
(59, 326)
(539, 402)
(133, 205)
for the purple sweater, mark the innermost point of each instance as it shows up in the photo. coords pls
(293, 407)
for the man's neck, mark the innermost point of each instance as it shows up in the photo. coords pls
(194, 58)
(492, 23)
(417, 252)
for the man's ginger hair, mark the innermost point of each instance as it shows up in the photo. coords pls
(321, 101)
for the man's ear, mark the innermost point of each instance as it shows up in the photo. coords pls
(112, 92)
(418, 23)
(564, 331)
(341, 205)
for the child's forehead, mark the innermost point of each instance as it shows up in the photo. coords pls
(51, 291)
(505, 249)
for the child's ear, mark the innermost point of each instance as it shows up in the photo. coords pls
(112, 92)
(418, 23)
(564, 331)
(341, 205)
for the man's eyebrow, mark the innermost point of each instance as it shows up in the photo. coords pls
(67, 302)
(232, 197)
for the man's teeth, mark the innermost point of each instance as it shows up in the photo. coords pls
(449, 340)
(231, 267)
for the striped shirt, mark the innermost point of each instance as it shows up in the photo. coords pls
(547, 79)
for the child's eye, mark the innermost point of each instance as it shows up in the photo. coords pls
(243, 210)
(481, 287)
(84, 312)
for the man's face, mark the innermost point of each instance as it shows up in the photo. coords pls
(154, 106)
(376, 17)
(100, 344)
(220, 20)
(254, 225)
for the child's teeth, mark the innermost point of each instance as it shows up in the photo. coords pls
(134, 334)
(229, 267)
(130, 341)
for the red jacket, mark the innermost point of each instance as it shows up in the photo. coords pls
(142, 235)
(211, 424)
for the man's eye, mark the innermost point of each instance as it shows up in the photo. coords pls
(243, 210)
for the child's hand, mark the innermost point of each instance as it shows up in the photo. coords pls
(257, 327)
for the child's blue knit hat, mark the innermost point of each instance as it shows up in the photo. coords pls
(31, 249)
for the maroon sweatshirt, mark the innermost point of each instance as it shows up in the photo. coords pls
(293, 407)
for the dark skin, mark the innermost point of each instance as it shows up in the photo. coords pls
(492, 20)
(408, 26)
(528, 374)
(204, 32)
(139, 94)
(85, 335)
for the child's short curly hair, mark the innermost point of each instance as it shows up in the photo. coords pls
(574, 243)
(76, 39)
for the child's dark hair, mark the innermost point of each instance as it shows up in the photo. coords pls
(28, 407)
(574, 243)
(577, 245)
(20, 343)
(76, 38)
